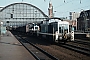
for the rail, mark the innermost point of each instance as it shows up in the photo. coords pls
(84, 51)
(37, 52)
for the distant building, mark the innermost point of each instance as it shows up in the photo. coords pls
(83, 21)
(72, 23)
(50, 10)
(74, 15)
(73, 19)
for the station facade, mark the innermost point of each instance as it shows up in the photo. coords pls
(83, 22)
(20, 14)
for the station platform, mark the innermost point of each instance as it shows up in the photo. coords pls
(81, 35)
(12, 49)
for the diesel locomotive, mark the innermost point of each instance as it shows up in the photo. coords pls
(54, 30)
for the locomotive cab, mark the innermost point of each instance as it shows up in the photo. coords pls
(63, 32)
(55, 31)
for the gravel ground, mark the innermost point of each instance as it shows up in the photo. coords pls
(57, 51)
(79, 45)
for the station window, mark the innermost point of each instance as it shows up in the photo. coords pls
(11, 15)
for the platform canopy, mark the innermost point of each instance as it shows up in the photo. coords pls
(20, 14)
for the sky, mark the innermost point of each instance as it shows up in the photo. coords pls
(62, 7)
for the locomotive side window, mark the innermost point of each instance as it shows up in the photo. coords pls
(55, 26)
(44, 28)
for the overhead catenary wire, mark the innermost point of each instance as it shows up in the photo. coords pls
(66, 2)
(80, 1)
(63, 4)
(73, 9)
(31, 1)
(79, 7)
(44, 0)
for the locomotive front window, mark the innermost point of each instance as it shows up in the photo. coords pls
(63, 28)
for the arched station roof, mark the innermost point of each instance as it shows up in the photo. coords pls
(26, 4)
(21, 14)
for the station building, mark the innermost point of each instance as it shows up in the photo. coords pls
(83, 22)
(20, 14)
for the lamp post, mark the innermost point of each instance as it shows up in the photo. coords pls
(36, 16)
(1, 24)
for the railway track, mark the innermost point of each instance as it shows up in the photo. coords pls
(84, 39)
(82, 42)
(85, 51)
(37, 52)
(63, 48)
(81, 50)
